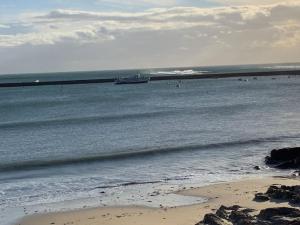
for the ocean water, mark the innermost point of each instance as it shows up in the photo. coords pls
(29, 77)
(108, 144)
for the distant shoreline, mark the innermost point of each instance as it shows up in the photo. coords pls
(155, 78)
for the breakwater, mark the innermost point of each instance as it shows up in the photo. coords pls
(153, 78)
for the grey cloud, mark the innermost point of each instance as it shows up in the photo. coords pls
(179, 36)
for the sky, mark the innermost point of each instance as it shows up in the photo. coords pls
(72, 35)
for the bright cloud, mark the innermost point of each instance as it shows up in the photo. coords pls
(188, 35)
(140, 2)
(86, 26)
(253, 2)
(2, 26)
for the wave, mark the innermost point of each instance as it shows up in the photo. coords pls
(178, 72)
(129, 184)
(58, 100)
(35, 164)
(283, 67)
(111, 118)
(102, 119)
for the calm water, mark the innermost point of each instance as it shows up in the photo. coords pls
(68, 142)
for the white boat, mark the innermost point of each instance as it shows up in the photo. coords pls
(138, 79)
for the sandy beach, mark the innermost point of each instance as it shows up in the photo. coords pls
(232, 193)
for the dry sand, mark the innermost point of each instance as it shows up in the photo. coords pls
(239, 192)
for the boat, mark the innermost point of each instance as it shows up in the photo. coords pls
(138, 79)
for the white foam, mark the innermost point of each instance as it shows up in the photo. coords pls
(151, 195)
(283, 67)
(178, 72)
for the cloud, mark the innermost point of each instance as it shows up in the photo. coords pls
(86, 26)
(4, 26)
(160, 36)
(253, 2)
(135, 3)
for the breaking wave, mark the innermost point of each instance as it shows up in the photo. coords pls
(178, 72)
(137, 153)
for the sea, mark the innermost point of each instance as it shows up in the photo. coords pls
(68, 147)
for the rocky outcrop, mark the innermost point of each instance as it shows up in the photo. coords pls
(270, 213)
(244, 216)
(261, 197)
(289, 194)
(285, 158)
(213, 219)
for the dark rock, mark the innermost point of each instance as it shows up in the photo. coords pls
(285, 154)
(285, 193)
(256, 167)
(291, 164)
(237, 216)
(212, 219)
(246, 222)
(281, 220)
(261, 197)
(247, 210)
(295, 199)
(267, 214)
(278, 193)
(285, 158)
(222, 212)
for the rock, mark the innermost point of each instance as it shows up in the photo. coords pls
(256, 167)
(261, 197)
(247, 210)
(279, 220)
(278, 192)
(285, 154)
(285, 158)
(228, 215)
(291, 164)
(246, 222)
(238, 216)
(212, 219)
(268, 214)
(223, 213)
(242, 216)
(290, 194)
(295, 199)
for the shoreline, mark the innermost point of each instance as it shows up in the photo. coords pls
(240, 192)
(157, 78)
